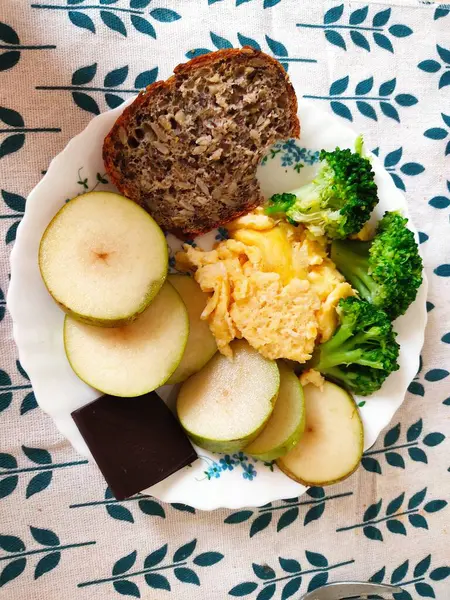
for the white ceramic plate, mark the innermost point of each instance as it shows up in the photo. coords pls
(213, 481)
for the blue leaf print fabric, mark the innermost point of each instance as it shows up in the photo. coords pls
(384, 69)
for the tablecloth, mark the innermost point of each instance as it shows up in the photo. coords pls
(384, 68)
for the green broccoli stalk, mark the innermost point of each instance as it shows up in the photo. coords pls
(338, 201)
(386, 271)
(362, 351)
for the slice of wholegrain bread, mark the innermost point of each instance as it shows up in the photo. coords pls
(187, 148)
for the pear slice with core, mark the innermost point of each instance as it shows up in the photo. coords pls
(103, 259)
(332, 445)
(287, 422)
(201, 345)
(224, 406)
(136, 358)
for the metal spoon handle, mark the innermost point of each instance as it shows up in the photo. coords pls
(349, 589)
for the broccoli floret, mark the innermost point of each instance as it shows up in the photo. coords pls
(338, 201)
(386, 271)
(363, 350)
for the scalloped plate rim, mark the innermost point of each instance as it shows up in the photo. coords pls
(167, 492)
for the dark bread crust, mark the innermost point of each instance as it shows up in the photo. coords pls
(114, 147)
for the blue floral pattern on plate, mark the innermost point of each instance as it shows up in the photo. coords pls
(228, 463)
(292, 155)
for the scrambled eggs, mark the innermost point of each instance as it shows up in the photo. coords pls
(270, 283)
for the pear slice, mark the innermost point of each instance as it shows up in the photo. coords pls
(224, 406)
(287, 422)
(332, 445)
(201, 345)
(103, 259)
(136, 358)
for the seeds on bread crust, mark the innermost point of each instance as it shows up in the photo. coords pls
(187, 149)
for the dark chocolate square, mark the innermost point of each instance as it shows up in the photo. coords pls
(136, 442)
